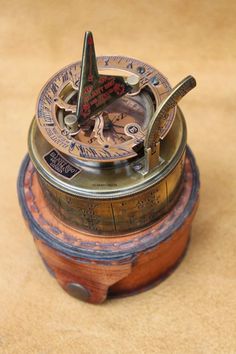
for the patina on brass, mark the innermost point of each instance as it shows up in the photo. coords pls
(118, 167)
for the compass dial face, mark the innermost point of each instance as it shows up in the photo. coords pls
(125, 119)
(113, 133)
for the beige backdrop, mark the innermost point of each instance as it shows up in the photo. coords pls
(194, 310)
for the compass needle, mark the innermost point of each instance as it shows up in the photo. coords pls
(98, 129)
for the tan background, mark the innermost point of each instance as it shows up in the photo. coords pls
(194, 310)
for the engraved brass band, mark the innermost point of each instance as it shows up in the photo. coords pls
(116, 216)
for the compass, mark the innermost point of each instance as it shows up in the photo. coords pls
(108, 165)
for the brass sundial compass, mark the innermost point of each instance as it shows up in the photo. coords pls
(108, 172)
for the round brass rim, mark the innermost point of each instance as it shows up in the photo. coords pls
(134, 182)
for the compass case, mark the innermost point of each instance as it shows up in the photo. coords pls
(93, 268)
(109, 189)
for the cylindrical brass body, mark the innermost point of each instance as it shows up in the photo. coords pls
(115, 199)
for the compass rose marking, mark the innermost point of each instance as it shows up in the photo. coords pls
(69, 79)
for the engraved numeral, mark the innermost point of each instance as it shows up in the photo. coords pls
(54, 88)
(130, 65)
(48, 98)
(106, 61)
(65, 76)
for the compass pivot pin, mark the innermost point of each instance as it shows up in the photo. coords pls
(71, 123)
